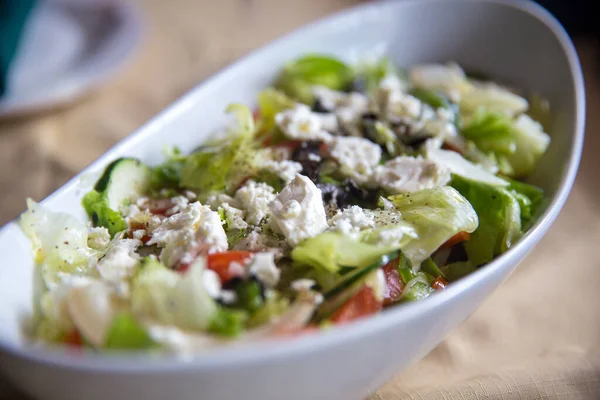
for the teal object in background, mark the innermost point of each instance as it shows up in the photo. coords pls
(13, 16)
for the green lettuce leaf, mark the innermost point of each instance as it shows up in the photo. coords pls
(491, 132)
(517, 144)
(300, 75)
(168, 174)
(221, 166)
(58, 241)
(368, 75)
(499, 219)
(126, 333)
(330, 251)
(96, 206)
(494, 99)
(436, 215)
(229, 323)
(171, 298)
(270, 103)
(531, 201)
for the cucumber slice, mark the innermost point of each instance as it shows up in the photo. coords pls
(124, 179)
(348, 286)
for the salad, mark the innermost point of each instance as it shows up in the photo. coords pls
(349, 189)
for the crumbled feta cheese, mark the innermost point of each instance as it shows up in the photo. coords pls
(120, 260)
(255, 198)
(301, 124)
(179, 203)
(445, 114)
(352, 220)
(234, 217)
(357, 156)
(403, 105)
(141, 201)
(301, 285)
(439, 128)
(228, 296)
(133, 215)
(347, 106)
(190, 195)
(236, 269)
(215, 201)
(329, 121)
(314, 157)
(98, 238)
(285, 169)
(298, 210)
(181, 233)
(212, 283)
(392, 237)
(392, 83)
(376, 281)
(139, 234)
(408, 174)
(263, 267)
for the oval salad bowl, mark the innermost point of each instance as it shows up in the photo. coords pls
(516, 42)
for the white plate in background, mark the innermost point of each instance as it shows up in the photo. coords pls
(66, 50)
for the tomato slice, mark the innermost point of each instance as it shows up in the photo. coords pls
(456, 239)
(394, 284)
(439, 283)
(360, 305)
(73, 339)
(221, 262)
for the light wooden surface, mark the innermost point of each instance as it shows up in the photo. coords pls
(535, 338)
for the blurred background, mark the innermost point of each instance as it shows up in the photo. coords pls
(79, 75)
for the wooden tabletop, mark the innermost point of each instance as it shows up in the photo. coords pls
(534, 338)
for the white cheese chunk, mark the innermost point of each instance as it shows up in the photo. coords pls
(255, 198)
(182, 233)
(120, 260)
(264, 269)
(352, 220)
(179, 203)
(298, 210)
(302, 285)
(234, 217)
(285, 169)
(408, 174)
(357, 156)
(215, 201)
(376, 281)
(301, 123)
(212, 283)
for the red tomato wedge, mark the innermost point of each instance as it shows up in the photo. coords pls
(221, 262)
(439, 283)
(456, 239)
(73, 339)
(360, 305)
(394, 284)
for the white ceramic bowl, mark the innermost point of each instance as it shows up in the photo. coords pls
(510, 40)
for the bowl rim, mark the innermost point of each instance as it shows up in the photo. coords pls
(269, 351)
